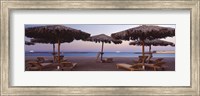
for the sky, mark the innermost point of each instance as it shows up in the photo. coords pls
(96, 29)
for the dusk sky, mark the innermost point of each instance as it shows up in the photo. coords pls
(95, 29)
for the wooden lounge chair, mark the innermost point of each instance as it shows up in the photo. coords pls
(61, 59)
(156, 61)
(36, 66)
(97, 57)
(108, 60)
(140, 59)
(43, 60)
(134, 67)
(65, 66)
(148, 60)
(157, 66)
(31, 66)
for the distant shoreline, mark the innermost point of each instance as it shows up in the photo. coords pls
(94, 54)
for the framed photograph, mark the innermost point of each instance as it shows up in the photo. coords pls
(96, 47)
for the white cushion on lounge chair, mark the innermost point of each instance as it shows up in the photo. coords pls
(124, 65)
(68, 65)
(45, 64)
(156, 67)
(128, 67)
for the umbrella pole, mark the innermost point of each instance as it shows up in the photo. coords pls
(58, 51)
(53, 52)
(143, 49)
(150, 49)
(143, 54)
(102, 51)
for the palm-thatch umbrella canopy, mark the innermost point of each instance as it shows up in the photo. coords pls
(155, 42)
(58, 33)
(102, 38)
(144, 32)
(29, 43)
(47, 41)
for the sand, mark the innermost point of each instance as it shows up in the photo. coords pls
(90, 64)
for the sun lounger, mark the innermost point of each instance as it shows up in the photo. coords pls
(157, 66)
(97, 57)
(67, 66)
(156, 61)
(135, 67)
(36, 66)
(140, 59)
(61, 59)
(43, 60)
(149, 58)
(108, 60)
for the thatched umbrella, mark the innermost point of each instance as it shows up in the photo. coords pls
(155, 42)
(102, 38)
(58, 33)
(47, 41)
(144, 32)
(29, 43)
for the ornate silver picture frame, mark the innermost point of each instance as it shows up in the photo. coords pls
(7, 6)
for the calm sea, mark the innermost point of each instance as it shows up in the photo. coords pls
(94, 54)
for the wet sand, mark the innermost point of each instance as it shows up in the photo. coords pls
(90, 64)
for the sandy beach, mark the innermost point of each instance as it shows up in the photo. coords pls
(90, 64)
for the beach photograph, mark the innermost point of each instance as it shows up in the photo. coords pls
(99, 47)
